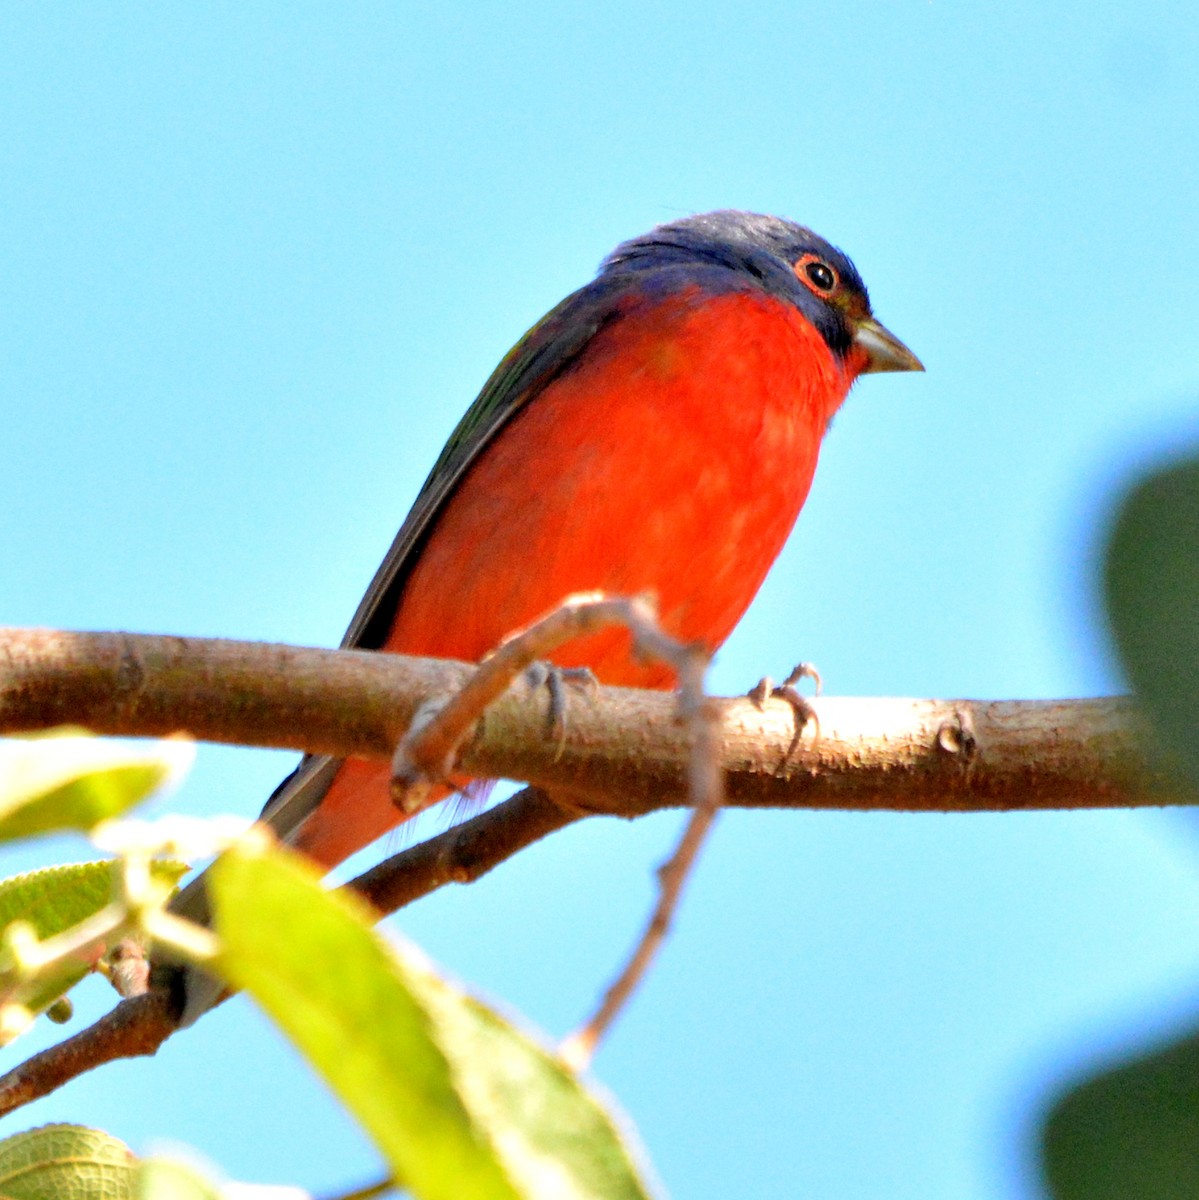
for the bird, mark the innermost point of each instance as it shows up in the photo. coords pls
(657, 431)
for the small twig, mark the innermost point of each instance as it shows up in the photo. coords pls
(579, 1048)
(425, 756)
(382, 1188)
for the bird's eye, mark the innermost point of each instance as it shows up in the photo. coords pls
(820, 275)
(816, 275)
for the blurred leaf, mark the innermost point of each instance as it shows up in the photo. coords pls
(1129, 1134)
(459, 1102)
(55, 899)
(1151, 577)
(167, 1179)
(60, 1011)
(69, 780)
(66, 1162)
(170, 1179)
(555, 1136)
(50, 990)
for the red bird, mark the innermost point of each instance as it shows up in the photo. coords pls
(657, 431)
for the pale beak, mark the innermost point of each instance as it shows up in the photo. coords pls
(884, 351)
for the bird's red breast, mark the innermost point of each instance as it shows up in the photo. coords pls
(673, 456)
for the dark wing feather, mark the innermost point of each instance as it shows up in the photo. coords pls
(540, 357)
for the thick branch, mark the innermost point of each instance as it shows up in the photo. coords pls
(625, 752)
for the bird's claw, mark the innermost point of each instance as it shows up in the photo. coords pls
(803, 709)
(556, 680)
(761, 691)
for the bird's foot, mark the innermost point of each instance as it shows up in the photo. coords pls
(764, 689)
(558, 681)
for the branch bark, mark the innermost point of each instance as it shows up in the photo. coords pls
(625, 753)
(136, 1027)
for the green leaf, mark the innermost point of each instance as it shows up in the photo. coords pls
(555, 1136)
(1151, 579)
(55, 899)
(1129, 1134)
(458, 1101)
(167, 1179)
(69, 780)
(66, 1162)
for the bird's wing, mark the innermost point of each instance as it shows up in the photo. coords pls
(550, 348)
(540, 357)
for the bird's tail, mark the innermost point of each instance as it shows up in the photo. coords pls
(296, 813)
(328, 809)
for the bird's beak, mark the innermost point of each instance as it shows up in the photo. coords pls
(884, 351)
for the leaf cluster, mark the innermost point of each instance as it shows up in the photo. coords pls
(458, 1100)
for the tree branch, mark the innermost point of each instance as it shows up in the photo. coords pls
(625, 752)
(136, 1027)
(464, 853)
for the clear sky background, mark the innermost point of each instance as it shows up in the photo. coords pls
(256, 261)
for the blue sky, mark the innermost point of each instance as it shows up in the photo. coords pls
(258, 259)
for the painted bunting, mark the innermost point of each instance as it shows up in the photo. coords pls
(657, 431)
